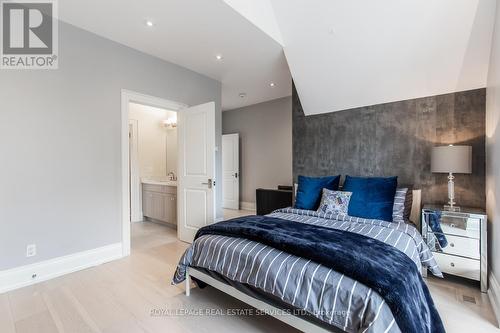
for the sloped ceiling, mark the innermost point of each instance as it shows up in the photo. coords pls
(347, 54)
(260, 13)
(342, 54)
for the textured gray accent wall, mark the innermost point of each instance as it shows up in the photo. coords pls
(396, 139)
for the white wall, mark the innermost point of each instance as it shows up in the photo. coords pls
(493, 151)
(60, 144)
(152, 140)
(265, 144)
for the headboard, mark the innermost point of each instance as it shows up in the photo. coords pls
(416, 207)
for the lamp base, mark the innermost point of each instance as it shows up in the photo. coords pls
(451, 195)
(451, 208)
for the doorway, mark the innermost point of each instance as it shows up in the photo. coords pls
(196, 164)
(153, 164)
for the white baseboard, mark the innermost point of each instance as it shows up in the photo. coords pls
(244, 205)
(45, 270)
(494, 296)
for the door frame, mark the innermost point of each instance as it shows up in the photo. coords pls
(127, 97)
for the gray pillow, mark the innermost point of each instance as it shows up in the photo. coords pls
(402, 205)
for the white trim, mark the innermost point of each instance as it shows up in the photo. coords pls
(494, 296)
(135, 186)
(245, 205)
(143, 99)
(45, 270)
(280, 314)
(128, 97)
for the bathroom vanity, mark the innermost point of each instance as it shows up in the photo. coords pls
(159, 201)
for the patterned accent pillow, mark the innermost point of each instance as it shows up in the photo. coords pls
(403, 200)
(334, 202)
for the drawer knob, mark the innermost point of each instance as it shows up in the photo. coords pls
(452, 264)
(452, 245)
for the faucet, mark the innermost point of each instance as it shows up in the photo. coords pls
(171, 176)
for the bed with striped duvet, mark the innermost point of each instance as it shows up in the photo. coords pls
(329, 296)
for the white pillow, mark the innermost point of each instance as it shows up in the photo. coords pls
(334, 202)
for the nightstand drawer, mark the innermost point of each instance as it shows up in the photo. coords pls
(467, 227)
(465, 247)
(468, 268)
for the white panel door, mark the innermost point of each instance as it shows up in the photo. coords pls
(230, 171)
(196, 181)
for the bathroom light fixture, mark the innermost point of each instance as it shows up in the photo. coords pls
(170, 122)
(149, 23)
(219, 57)
(272, 84)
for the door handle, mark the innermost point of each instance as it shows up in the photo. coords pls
(208, 183)
(235, 175)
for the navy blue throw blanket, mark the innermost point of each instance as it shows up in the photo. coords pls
(377, 265)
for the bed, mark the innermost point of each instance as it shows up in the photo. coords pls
(308, 294)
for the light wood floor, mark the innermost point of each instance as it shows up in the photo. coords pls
(120, 296)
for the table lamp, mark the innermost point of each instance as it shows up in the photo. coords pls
(451, 159)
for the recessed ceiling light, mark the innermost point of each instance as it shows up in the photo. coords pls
(272, 84)
(243, 95)
(219, 57)
(149, 23)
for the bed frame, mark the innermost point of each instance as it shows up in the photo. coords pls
(294, 321)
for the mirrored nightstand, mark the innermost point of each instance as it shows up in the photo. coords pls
(458, 241)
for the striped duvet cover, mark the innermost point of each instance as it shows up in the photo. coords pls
(329, 296)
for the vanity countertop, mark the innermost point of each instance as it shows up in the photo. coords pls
(160, 182)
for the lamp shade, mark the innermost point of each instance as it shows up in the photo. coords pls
(454, 159)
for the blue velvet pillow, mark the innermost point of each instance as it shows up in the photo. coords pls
(372, 197)
(310, 189)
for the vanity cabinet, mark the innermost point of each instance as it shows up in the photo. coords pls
(159, 203)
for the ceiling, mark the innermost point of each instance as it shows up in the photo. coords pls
(191, 33)
(342, 54)
(347, 54)
(260, 13)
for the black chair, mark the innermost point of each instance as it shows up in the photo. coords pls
(268, 200)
